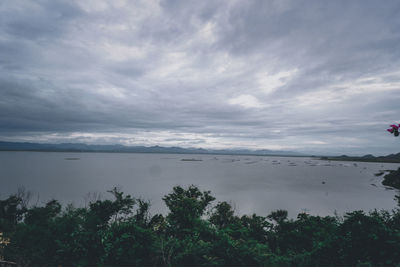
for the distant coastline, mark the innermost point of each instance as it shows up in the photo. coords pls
(392, 158)
(80, 147)
(77, 147)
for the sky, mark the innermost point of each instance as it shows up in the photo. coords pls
(310, 76)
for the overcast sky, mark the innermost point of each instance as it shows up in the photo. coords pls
(315, 76)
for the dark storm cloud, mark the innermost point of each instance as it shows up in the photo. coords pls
(320, 76)
(38, 19)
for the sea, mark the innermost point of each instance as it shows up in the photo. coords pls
(251, 184)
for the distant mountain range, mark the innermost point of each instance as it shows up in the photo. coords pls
(76, 147)
(393, 158)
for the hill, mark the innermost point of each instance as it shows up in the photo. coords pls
(78, 147)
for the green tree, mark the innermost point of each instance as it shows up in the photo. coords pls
(186, 207)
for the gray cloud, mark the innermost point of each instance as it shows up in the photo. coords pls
(319, 76)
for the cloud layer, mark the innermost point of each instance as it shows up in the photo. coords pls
(318, 76)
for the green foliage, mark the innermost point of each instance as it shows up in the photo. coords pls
(121, 232)
(186, 207)
(11, 213)
(222, 215)
(128, 244)
(392, 179)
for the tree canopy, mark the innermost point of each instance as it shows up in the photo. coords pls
(121, 232)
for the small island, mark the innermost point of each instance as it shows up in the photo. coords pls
(191, 160)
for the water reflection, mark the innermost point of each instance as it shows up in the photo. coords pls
(250, 183)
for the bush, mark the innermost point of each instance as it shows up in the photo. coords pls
(121, 232)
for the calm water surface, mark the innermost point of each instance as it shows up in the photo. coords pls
(249, 183)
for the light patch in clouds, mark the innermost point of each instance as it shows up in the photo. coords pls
(372, 84)
(120, 52)
(319, 99)
(111, 91)
(268, 82)
(316, 142)
(207, 33)
(246, 101)
(101, 5)
(339, 92)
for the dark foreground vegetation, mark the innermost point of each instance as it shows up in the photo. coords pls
(120, 232)
(392, 179)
